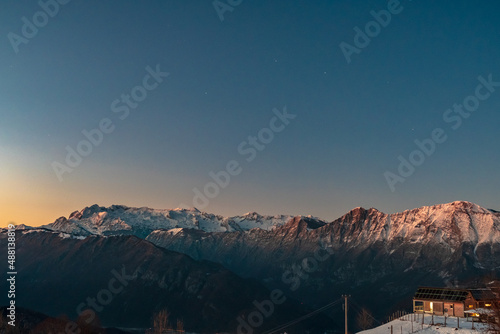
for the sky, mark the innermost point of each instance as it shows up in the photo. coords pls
(294, 107)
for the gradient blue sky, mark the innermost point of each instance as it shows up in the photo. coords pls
(353, 120)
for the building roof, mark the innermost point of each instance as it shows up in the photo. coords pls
(482, 294)
(481, 310)
(445, 294)
(451, 294)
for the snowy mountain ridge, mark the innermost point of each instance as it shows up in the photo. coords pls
(369, 251)
(119, 219)
(451, 223)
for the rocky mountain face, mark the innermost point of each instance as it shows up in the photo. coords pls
(372, 252)
(441, 234)
(125, 280)
(380, 259)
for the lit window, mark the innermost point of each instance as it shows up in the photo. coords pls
(487, 305)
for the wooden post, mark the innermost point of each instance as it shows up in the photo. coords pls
(412, 326)
(391, 329)
(472, 321)
(458, 322)
(345, 307)
(445, 320)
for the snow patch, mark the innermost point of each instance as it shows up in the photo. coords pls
(175, 231)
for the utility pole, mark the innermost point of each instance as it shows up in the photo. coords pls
(345, 309)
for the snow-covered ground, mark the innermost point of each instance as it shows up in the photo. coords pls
(405, 326)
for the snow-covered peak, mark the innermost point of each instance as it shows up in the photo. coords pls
(450, 223)
(252, 220)
(23, 227)
(451, 207)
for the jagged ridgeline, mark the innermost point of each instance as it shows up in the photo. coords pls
(378, 258)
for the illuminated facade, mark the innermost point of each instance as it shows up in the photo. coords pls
(451, 302)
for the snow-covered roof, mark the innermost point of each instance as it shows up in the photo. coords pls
(480, 310)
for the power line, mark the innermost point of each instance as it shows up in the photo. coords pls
(309, 315)
(360, 309)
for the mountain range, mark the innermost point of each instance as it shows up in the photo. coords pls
(378, 258)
